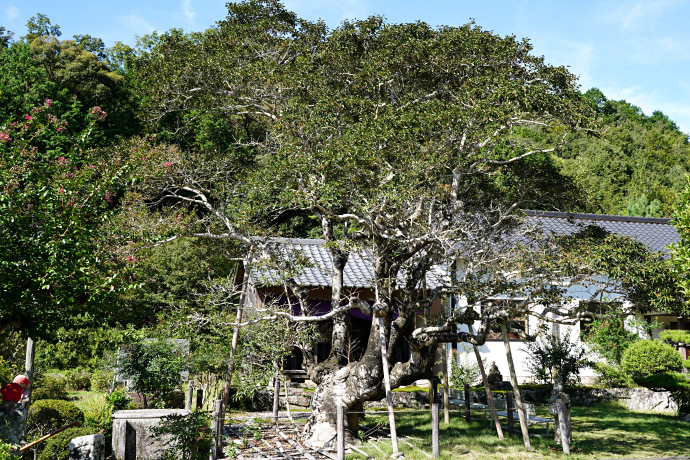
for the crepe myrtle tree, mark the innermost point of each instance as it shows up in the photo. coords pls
(418, 145)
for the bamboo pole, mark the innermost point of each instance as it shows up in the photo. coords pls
(60, 430)
(516, 389)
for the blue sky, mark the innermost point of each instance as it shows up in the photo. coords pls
(637, 50)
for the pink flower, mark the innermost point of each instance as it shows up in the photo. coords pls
(27, 117)
(167, 164)
(49, 103)
(62, 190)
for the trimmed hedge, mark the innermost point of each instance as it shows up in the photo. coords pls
(675, 336)
(47, 415)
(57, 447)
(648, 357)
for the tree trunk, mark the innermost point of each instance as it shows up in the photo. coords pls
(29, 367)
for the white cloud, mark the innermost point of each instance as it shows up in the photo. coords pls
(136, 24)
(332, 11)
(189, 13)
(12, 13)
(638, 14)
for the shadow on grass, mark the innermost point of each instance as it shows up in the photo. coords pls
(600, 431)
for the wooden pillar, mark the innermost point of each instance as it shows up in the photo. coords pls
(276, 399)
(434, 430)
(467, 402)
(29, 365)
(487, 388)
(516, 389)
(446, 391)
(387, 382)
(341, 432)
(509, 413)
(189, 400)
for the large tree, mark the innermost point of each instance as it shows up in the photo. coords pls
(419, 145)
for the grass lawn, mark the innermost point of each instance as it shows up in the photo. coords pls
(600, 431)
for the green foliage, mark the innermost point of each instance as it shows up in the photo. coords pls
(78, 379)
(102, 379)
(85, 347)
(154, 366)
(612, 376)
(187, 436)
(551, 356)
(8, 451)
(648, 357)
(57, 447)
(119, 399)
(465, 370)
(636, 166)
(50, 386)
(664, 381)
(675, 337)
(610, 338)
(8, 371)
(47, 415)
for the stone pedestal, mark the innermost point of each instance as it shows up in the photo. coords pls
(132, 433)
(91, 447)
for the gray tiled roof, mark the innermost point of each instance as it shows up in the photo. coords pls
(655, 233)
(358, 272)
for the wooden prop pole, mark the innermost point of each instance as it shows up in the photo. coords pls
(516, 389)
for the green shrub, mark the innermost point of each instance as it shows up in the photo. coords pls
(648, 357)
(465, 370)
(97, 412)
(675, 336)
(189, 435)
(8, 451)
(47, 415)
(78, 379)
(57, 447)
(102, 380)
(611, 376)
(50, 386)
(119, 399)
(551, 356)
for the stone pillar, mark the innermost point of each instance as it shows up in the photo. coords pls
(91, 447)
(553, 410)
(132, 433)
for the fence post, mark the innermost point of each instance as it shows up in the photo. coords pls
(217, 429)
(509, 409)
(341, 432)
(563, 422)
(434, 430)
(466, 389)
(190, 395)
(199, 398)
(276, 400)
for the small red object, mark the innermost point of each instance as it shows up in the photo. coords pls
(11, 392)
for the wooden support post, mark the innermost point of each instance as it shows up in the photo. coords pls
(446, 390)
(341, 432)
(287, 394)
(487, 388)
(387, 382)
(563, 425)
(516, 389)
(466, 389)
(189, 400)
(276, 399)
(509, 411)
(434, 430)
(29, 365)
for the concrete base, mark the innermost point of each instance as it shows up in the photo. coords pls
(132, 433)
(91, 447)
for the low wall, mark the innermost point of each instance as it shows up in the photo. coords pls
(132, 433)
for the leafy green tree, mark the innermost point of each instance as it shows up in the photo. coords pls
(418, 145)
(40, 26)
(552, 356)
(57, 267)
